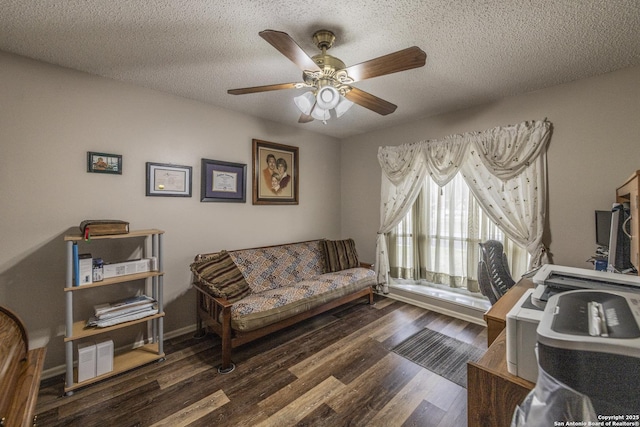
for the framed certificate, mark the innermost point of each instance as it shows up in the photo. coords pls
(223, 181)
(168, 180)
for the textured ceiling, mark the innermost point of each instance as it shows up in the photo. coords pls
(477, 51)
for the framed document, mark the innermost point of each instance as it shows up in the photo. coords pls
(168, 180)
(223, 181)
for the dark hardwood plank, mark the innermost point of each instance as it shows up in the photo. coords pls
(425, 415)
(335, 369)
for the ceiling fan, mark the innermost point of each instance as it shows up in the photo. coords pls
(330, 80)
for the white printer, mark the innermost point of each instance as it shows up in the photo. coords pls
(523, 319)
(552, 279)
(589, 340)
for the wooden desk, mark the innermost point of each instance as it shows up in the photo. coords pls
(492, 392)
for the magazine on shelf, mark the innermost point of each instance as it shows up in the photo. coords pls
(123, 306)
(127, 317)
(124, 312)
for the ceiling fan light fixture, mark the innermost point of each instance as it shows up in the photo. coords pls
(320, 114)
(343, 106)
(327, 97)
(305, 102)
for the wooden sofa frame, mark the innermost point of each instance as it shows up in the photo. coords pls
(215, 313)
(20, 372)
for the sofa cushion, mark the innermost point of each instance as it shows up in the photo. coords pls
(340, 255)
(277, 266)
(264, 308)
(220, 276)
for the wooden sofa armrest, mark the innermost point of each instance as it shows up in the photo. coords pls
(216, 312)
(366, 265)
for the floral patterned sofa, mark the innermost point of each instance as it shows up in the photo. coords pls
(245, 294)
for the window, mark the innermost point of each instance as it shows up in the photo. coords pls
(438, 240)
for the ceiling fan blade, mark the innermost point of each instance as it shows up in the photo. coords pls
(289, 48)
(266, 88)
(406, 59)
(371, 102)
(304, 118)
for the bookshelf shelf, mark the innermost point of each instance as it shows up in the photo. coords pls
(80, 332)
(114, 280)
(134, 233)
(75, 329)
(122, 363)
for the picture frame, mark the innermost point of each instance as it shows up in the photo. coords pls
(167, 180)
(104, 163)
(274, 164)
(223, 181)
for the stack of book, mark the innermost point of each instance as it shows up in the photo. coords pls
(126, 310)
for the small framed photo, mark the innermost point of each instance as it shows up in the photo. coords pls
(168, 180)
(223, 181)
(104, 163)
(275, 173)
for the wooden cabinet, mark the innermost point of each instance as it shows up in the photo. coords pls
(75, 329)
(629, 192)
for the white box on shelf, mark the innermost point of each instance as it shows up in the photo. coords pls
(104, 357)
(85, 269)
(127, 267)
(86, 361)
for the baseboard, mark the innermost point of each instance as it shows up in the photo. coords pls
(61, 369)
(439, 306)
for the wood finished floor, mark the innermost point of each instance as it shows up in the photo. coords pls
(333, 370)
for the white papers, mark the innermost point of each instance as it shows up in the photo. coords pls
(126, 310)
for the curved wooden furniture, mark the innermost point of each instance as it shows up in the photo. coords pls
(20, 371)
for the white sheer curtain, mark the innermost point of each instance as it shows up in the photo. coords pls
(438, 239)
(398, 195)
(504, 167)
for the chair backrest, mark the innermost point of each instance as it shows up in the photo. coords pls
(494, 277)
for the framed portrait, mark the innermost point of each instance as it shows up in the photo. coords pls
(275, 173)
(223, 181)
(168, 180)
(104, 163)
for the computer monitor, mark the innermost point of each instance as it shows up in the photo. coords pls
(603, 228)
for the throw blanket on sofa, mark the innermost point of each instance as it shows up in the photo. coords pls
(286, 280)
(260, 309)
(277, 266)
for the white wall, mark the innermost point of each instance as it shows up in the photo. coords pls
(593, 150)
(50, 117)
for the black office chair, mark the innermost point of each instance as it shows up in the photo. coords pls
(494, 277)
